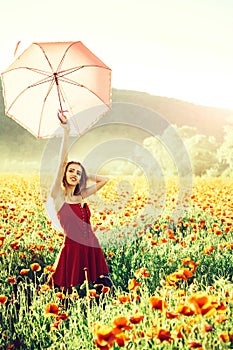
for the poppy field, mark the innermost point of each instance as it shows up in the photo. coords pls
(173, 286)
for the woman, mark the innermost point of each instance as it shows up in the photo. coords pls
(80, 257)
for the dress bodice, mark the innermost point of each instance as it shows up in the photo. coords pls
(68, 210)
(75, 221)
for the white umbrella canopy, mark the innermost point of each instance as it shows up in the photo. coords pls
(53, 76)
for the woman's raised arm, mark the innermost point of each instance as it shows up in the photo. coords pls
(63, 156)
(99, 180)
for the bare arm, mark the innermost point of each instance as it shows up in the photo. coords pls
(99, 180)
(63, 157)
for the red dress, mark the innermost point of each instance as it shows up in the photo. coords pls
(80, 248)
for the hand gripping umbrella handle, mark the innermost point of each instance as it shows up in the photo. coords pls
(60, 114)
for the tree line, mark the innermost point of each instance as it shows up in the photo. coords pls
(208, 156)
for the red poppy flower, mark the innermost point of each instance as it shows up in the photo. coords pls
(60, 295)
(104, 336)
(35, 267)
(92, 293)
(157, 303)
(124, 299)
(105, 289)
(171, 315)
(24, 272)
(51, 309)
(49, 268)
(142, 272)
(185, 310)
(132, 284)
(164, 335)
(11, 280)
(136, 318)
(202, 304)
(62, 316)
(15, 245)
(194, 345)
(122, 322)
(121, 339)
(55, 325)
(3, 299)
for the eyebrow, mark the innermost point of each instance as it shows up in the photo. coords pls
(79, 171)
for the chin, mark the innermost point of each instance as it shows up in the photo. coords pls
(71, 183)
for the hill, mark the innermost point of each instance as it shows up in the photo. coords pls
(16, 143)
(208, 120)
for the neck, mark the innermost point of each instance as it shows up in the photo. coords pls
(70, 191)
(70, 197)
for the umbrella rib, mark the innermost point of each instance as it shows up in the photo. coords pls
(43, 81)
(46, 96)
(42, 49)
(39, 71)
(43, 72)
(72, 70)
(22, 92)
(30, 68)
(66, 80)
(63, 57)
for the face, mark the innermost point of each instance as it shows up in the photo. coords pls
(73, 174)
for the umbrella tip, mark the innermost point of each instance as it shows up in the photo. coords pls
(16, 47)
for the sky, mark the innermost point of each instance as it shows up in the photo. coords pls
(181, 49)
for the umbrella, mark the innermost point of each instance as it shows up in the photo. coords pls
(53, 76)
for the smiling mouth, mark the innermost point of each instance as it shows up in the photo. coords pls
(73, 179)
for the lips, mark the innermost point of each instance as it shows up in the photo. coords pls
(73, 179)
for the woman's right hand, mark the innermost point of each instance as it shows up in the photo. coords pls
(63, 119)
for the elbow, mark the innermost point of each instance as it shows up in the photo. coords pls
(105, 180)
(101, 183)
(52, 194)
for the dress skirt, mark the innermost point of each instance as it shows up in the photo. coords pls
(80, 256)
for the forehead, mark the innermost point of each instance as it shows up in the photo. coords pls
(75, 167)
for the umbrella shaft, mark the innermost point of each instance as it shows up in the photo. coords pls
(58, 89)
(55, 78)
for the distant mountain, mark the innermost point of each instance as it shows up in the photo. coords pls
(16, 141)
(207, 120)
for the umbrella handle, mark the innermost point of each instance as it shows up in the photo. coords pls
(61, 113)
